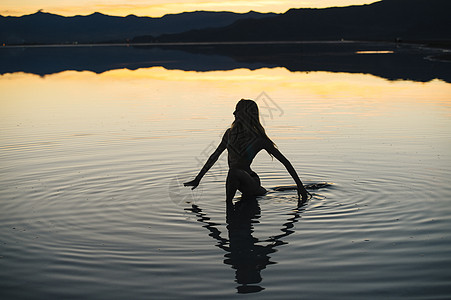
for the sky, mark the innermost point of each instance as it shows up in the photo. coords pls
(158, 8)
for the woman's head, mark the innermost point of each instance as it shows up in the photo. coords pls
(247, 111)
(246, 126)
(247, 117)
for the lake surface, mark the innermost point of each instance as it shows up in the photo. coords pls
(92, 204)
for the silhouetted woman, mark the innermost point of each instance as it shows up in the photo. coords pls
(243, 140)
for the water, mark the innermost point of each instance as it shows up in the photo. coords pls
(92, 204)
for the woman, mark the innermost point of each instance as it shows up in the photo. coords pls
(243, 140)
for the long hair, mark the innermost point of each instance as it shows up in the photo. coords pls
(246, 127)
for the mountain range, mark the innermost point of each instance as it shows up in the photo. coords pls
(47, 28)
(382, 20)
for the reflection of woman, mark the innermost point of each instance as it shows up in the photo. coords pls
(245, 253)
(243, 140)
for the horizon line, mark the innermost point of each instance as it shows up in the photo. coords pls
(177, 13)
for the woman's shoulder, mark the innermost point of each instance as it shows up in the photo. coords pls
(261, 142)
(226, 134)
(266, 142)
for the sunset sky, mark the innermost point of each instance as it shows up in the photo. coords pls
(158, 8)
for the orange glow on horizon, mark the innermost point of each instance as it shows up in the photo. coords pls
(162, 7)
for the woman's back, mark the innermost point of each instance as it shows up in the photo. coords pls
(242, 147)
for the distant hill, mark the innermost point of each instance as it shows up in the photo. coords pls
(45, 28)
(383, 20)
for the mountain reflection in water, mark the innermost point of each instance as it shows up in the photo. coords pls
(387, 60)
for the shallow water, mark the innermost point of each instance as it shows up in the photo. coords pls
(92, 204)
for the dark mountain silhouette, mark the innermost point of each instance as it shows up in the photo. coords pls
(383, 20)
(45, 28)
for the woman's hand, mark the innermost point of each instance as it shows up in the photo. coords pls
(303, 192)
(194, 183)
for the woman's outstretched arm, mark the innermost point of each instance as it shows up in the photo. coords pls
(280, 157)
(210, 162)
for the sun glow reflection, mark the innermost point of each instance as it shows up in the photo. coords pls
(157, 103)
(235, 83)
(86, 94)
(280, 80)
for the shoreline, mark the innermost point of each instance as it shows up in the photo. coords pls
(439, 45)
(180, 44)
(443, 46)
